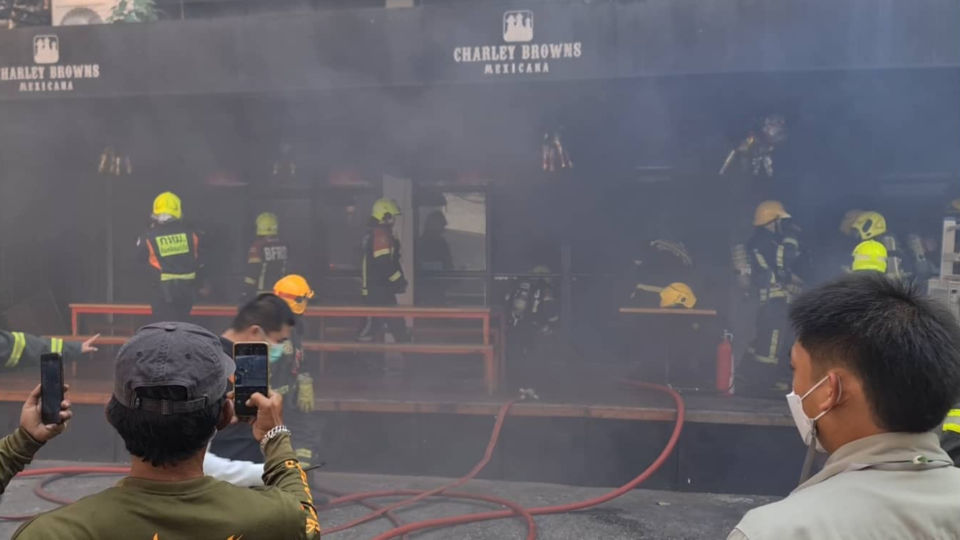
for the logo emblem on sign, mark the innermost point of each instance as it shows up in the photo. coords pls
(518, 26)
(46, 49)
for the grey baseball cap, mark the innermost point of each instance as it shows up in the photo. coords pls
(172, 354)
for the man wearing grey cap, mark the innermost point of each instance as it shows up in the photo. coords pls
(169, 399)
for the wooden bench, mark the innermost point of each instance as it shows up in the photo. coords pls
(493, 354)
(668, 311)
(491, 376)
(481, 314)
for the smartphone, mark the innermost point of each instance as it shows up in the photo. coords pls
(51, 387)
(252, 375)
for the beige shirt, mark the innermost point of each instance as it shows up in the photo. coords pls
(887, 486)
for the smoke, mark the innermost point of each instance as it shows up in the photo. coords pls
(646, 151)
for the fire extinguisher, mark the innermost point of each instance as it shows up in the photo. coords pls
(725, 364)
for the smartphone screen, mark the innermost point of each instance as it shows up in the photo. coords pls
(252, 375)
(51, 387)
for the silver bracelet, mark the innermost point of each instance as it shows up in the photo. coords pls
(274, 432)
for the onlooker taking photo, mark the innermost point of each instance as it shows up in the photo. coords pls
(170, 396)
(876, 366)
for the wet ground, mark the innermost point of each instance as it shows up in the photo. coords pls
(641, 514)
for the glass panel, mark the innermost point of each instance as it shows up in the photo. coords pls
(453, 230)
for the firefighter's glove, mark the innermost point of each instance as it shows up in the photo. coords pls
(305, 392)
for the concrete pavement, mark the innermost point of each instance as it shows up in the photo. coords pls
(641, 514)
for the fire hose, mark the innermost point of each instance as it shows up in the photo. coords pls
(487, 456)
(387, 514)
(513, 510)
(570, 507)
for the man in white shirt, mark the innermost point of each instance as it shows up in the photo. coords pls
(876, 368)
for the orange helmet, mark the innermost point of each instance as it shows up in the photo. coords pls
(295, 290)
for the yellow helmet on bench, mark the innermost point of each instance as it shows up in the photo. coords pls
(677, 294)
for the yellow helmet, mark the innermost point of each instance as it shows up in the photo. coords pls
(677, 294)
(295, 290)
(167, 203)
(846, 224)
(870, 255)
(267, 224)
(769, 211)
(870, 225)
(383, 208)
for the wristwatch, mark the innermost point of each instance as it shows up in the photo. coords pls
(274, 432)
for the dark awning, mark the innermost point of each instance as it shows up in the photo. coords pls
(481, 42)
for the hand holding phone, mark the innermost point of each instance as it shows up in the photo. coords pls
(252, 375)
(31, 422)
(269, 413)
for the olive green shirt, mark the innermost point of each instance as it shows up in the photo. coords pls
(138, 509)
(16, 452)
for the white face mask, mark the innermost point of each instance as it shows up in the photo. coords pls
(805, 424)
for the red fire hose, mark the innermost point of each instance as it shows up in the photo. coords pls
(559, 509)
(40, 490)
(515, 509)
(389, 515)
(487, 456)
(74, 470)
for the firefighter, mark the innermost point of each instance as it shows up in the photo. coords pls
(533, 315)
(433, 250)
(434, 255)
(773, 253)
(870, 256)
(532, 304)
(172, 250)
(287, 379)
(912, 260)
(872, 225)
(382, 276)
(756, 151)
(18, 348)
(834, 257)
(295, 290)
(267, 258)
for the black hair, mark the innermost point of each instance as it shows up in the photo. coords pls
(268, 311)
(164, 440)
(904, 346)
